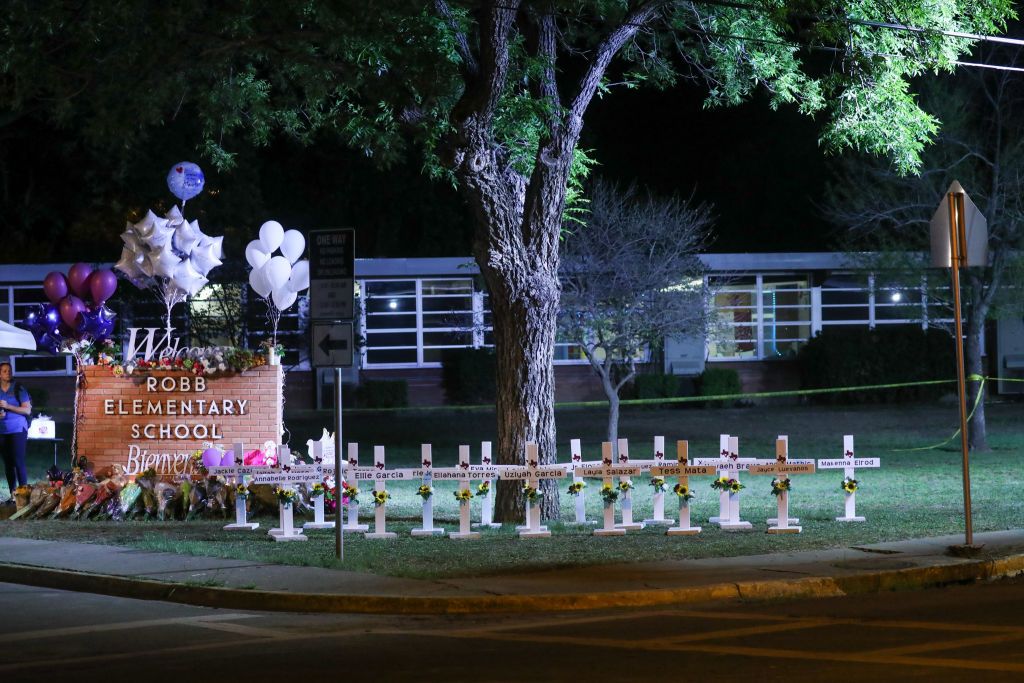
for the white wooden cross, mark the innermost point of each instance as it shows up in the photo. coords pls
(849, 464)
(353, 507)
(286, 475)
(379, 474)
(464, 531)
(318, 501)
(723, 496)
(684, 470)
(531, 473)
(486, 472)
(235, 475)
(576, 460)
(658, 460)
(781, 469)
(607, 470)
(627, 522)
(427, 467)
(730, 467)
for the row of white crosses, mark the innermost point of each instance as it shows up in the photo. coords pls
(283, 475)
(728, 465)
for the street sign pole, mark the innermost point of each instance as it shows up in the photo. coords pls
(332, 310)
(958, 244)
(339, 534)
(959, 238)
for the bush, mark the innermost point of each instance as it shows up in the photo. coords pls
(719, 382)
(383, 393)
(885, 355)
(468, 376)
(656, 386)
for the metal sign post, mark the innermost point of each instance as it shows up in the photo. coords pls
(332, 310)
(339, 534)
(962, 241)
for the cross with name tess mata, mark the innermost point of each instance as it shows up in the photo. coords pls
(684, 470)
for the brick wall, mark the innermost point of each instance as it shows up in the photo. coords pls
(116, 424)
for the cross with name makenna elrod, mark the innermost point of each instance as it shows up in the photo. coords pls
(849, 464)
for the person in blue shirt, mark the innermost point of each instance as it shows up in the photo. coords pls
(15, 407)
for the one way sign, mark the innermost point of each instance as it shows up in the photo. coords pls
(332, 345)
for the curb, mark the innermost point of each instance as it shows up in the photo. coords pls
(915, 578)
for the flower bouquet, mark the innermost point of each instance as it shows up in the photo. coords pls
(463, 495)
(532, 494)
(425, 491)
(850, 485)
(483, 488)
(658, 484)
(780, 486)
(609, 494)
(285, 496)
(576, 488)
(381, 498)
(683, 491)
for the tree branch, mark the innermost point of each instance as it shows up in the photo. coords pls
(470, 68)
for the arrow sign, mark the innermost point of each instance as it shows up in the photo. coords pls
(327, 345)
(332, 344)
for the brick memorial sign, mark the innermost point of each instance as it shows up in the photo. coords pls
(158, 418)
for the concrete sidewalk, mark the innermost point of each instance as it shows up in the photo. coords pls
(239, 584)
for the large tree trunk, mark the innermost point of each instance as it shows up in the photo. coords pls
(517, 253)
(977, 436)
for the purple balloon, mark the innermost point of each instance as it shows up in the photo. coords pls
(102, 285)
(228, 460)
(78, 277)
(55, 286)
(70, 308)
(212, 457)
(51, 314)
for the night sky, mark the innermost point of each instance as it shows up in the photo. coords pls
(761, 170)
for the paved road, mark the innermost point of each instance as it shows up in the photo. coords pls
(952, 634)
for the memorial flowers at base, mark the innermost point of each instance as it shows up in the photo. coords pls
(609, 494)
(683, 491)
(381, 498)
(850, 485)
(351, 492)
(532, 493)
(463, 495)
(780, 486)
(658, 484)
(727, 485)
(576, 488)
(483, 488)
(425, 491)
(285, 495)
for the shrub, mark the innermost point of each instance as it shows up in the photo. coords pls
(719, 382)
(885, 355)
(383, 393)
(468, 376)
(656, 386)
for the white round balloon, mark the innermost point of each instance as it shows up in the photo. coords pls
(258, 282)
(292, 245)
(271, 235)
(300, 277)
(255, 254)
(283, 298)
(277, 271)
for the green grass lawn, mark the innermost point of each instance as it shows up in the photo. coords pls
(915, 493)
